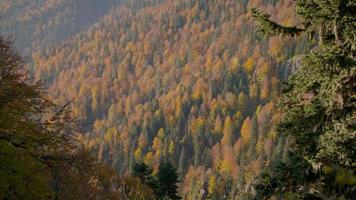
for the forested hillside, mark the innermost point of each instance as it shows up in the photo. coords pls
(38, 24)
(193, 85)
(197, 83)
(185, 81)
(40, 155)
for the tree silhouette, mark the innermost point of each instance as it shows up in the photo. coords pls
(167, 178)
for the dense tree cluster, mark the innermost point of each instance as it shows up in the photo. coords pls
(318, 107)
(40, 157)
(189, 82)
(185, 81)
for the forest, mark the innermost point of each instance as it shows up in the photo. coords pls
(178, 99)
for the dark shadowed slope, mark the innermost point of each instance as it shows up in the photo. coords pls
(38, 24)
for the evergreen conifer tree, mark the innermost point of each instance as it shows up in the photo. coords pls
(318, 106)
(167, 178)
(144, 173)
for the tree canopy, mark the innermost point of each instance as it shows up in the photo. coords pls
(318, 106)
(40, 157)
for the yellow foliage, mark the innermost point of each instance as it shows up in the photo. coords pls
(265, 91)
(212, 184)
(110, 134)
(97, 124)
(171, 120)
(248, 174)
(161, 133)
(249, 65)
(147, 48)
(178, 111)
(227, 132)
(171, 147)
(160, 76)
(288, 22)
(148, 159)
(142, 141)
(197, 94)
(171, 60)
(129, 46)
(246, 131)
(156, 144)
(265, 69)
(198, 89)
(138, 154)
(272, 134)
(209, 61)
(259, 145)
(218, 125)
(226, 166)
(196, 125)
(253, 91)
(237, 117)
(234, 64)
(237, 147)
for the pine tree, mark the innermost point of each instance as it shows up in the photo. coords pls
(167, 178)
(143, 172)
(164, 183)
(318, 106)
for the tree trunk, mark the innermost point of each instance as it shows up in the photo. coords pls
(336, 33)
(321, 34)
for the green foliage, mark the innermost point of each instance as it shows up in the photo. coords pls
(22, 139)
(167, 178)
(144, 173)
(285, 178)
(319, 109)
(267, 27)
(164, 183)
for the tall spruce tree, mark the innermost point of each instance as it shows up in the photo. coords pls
(164, 183)
(167, 178)
(318, 106)
(144, 173)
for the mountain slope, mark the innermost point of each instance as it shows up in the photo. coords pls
(187, 81)
(40, 24)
